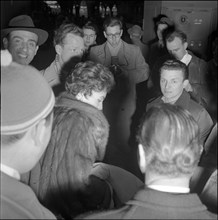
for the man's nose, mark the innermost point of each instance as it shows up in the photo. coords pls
(167, 85)
(24, 46)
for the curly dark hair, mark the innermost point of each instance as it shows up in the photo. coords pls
(87, 77)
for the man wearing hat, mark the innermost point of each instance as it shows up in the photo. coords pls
(23, 39)
(27, 102)
(135, 33)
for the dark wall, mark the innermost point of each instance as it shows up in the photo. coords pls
(12, 8)
(200, 20)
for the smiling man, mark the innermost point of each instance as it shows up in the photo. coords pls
(23, 39)
(173, 80)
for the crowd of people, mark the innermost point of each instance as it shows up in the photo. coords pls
(58, 123)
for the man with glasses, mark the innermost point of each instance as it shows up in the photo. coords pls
(69, 46)
(129, 67)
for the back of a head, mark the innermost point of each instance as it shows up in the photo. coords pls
(26, 98)
(170, 138)
(89, 76)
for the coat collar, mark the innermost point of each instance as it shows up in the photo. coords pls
(122, 54)
(68, 100)
(183, 100)
(165, 199)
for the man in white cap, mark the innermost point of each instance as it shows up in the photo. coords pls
(23, 39)
(27, 102)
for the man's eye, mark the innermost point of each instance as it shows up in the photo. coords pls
(32, 44)
(17, 40)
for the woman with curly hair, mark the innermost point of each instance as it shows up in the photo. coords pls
(62, 179)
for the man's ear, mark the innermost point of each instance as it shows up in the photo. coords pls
(121, 33)
(80, 96)
(95, 36)
(186, 45)
(185, 83)
(142, 160)
(5, 43)
(58, 49)
(37, 47)
(105, 35)
(38, 132)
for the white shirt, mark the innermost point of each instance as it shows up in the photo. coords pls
(10, 171)
(114, 50)
(171, 189)
(186, 59)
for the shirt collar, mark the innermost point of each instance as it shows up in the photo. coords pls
(10, 171)
(186, 58)
(171, 189)
(114, 51)
(172, 101)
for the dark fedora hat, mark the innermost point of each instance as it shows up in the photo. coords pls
(25, 22)
(135, 30)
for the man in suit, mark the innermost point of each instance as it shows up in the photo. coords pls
(169, 151)
(129, 67)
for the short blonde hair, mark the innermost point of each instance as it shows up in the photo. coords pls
(170, 138)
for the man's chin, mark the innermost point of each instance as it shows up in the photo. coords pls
(22, 62)
(114, 45)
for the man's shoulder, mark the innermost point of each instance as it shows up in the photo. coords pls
(130, 47)
(111, 214)
(196, 107)
(196, 59)
(97, 48)
(154, 101)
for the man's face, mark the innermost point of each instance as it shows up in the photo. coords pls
(73, 46)
(89, 37)
(95, 99)
(172, 84)
(22, 45)
(113, 35)
(177, 48)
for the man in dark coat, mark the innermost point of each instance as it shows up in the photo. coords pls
(169, 151)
